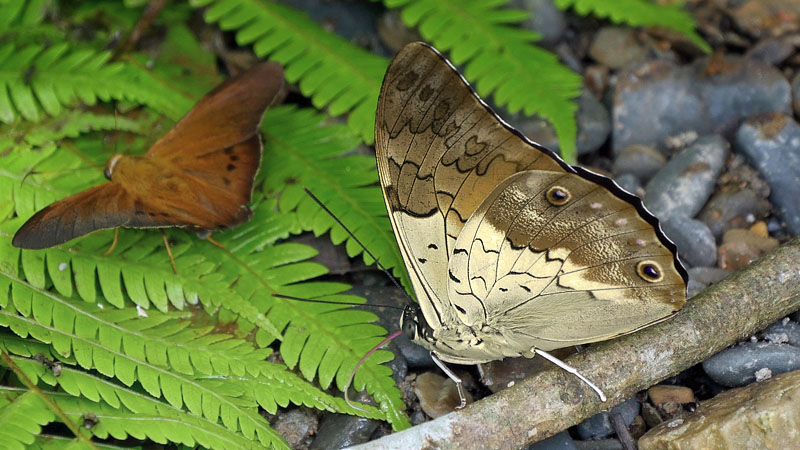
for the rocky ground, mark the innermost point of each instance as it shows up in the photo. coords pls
(712, 144)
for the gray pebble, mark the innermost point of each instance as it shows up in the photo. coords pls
(560, 441)
(546, 19)
(784, 331)
(737, 366)
(694, 287)
(683, 186)
(743, 88)
(729, 209)
(341, 430)
(594, 126)
(772, 51)
(653, 101)
(696, 244)
(617, 47)
(796, 93)
(599, 425)
(658, 99)
(630, 183)
(708, 275)
(639, 160)
(772, 143)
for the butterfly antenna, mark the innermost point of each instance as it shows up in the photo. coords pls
(360, 363)
(329, 302)
(366, 250)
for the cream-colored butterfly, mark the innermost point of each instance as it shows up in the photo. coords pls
(511, 251)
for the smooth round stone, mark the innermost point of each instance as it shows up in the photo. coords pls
(772, 51)
(696, 245)
(694, 287)
(657, 100)
(438, 395)
(630, 183)
(599, 425)
(784, 331)
(737, 366)
(546, 19)
(796, 93)
(765, 17)
(729, 209)
(708, 275)
(560, 441)
(617, 47)
(594, 126)
(297, 426)
(342, 430)
(639, 160)
(684, 184)
(741, 247)
(653, 101)
(772, 143)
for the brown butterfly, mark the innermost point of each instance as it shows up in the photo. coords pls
(199, 175)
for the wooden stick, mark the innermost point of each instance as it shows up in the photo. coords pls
(540, 406)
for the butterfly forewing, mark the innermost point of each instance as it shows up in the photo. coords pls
(508, 247)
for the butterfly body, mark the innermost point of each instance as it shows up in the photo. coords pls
(199, 175)
(509, 249)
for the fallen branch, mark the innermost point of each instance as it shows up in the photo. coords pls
(540, 406)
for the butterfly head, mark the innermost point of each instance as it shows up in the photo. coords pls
(110, 164)
(413, 324)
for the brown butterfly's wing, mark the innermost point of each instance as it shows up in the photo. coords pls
(441, 154)
(214, 143)
(107, 205)
(227, 115)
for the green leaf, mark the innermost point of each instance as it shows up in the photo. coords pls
(640, 13)
(331, 71)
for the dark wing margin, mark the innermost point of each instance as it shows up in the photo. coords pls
(226, 116)
(107, 205)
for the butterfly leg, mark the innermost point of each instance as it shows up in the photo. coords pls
(169, 252)
(571, 370)
(453, 377)
(113, 244)
(206, 234)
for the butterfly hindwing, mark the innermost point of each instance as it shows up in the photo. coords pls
(552, 275)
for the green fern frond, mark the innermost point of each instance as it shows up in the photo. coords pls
(22, 21)
(500, 59)
(21, 419)
(640, 13)
(53, 320)
(331, 71)
(36, 81)
(151, 420)
(302, 151)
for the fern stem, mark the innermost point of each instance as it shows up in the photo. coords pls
(47, 400)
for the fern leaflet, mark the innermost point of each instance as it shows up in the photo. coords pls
(640, 13)
(331, 71)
